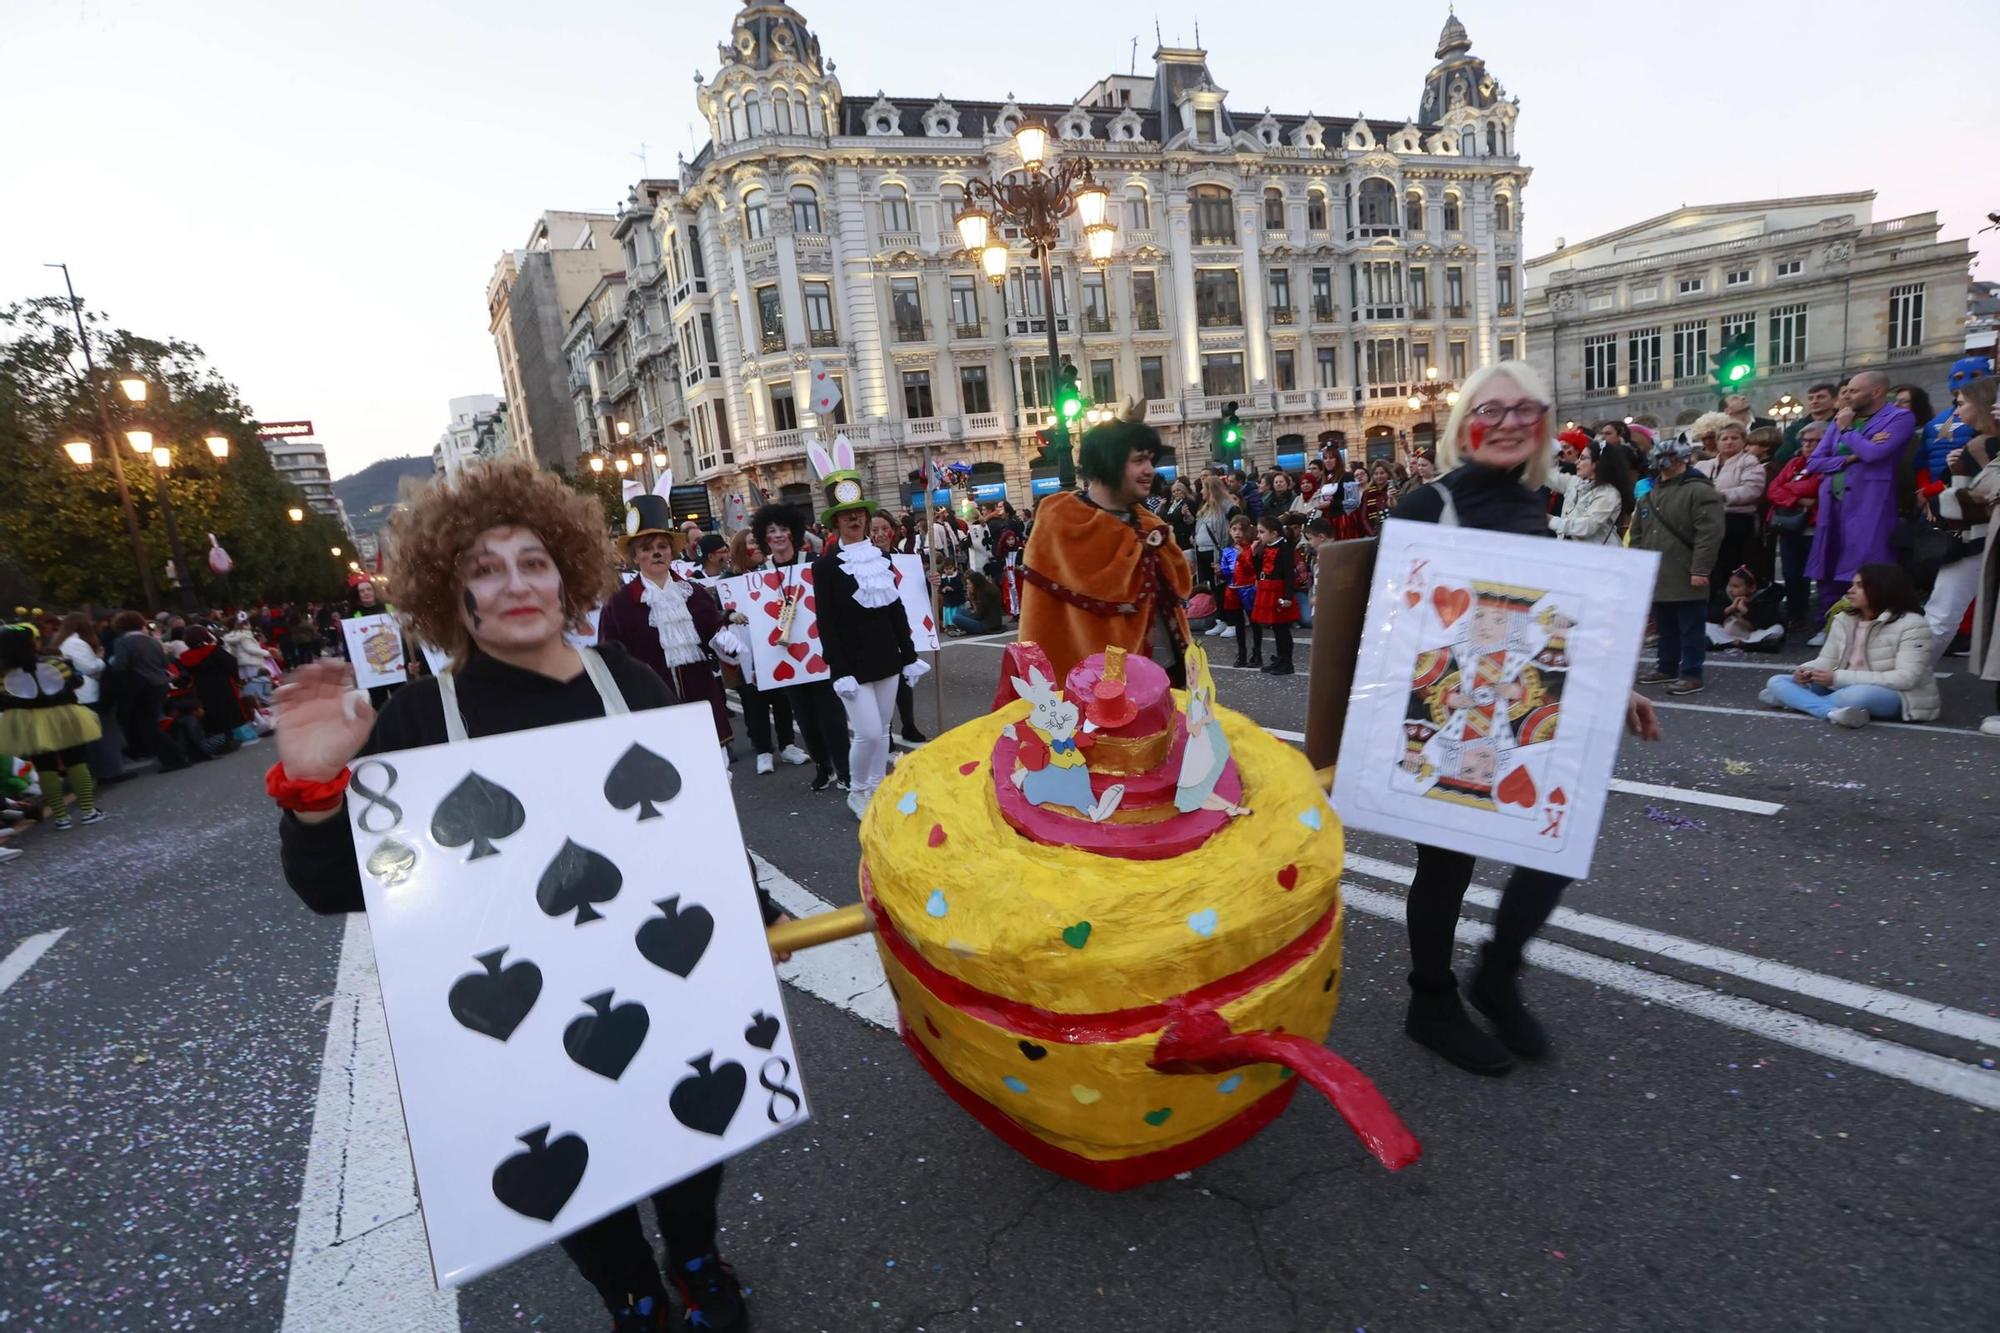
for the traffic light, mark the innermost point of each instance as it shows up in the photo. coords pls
(1046, 439)
(1736, 364)
(1069, 402)
(1228, 434)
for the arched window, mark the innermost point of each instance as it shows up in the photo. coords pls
(1468, 142)
(951, 202)
(815, 118)
(1413, 211)
(1316, 209)
(782, 105)
(1274, 209)
(805, 208)
(755, 221)
(1378, 203)
(739, 124)
(895, 208)
(1451, 220)
(1503, 213)
(1492, 140)
(1214, 215)
(1138, 209)
(754, 106)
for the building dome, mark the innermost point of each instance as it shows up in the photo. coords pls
(770, 32)
(1453, 40)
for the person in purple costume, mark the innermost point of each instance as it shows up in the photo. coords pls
(1861, 449)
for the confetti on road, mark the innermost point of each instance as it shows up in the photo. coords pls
(1673, 821)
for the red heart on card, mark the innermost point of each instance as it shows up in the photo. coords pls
(937, 834)
(969, 769)
(771, 609)
(798, 650)
(807, 575)
(1517, 788)
(809, 603)
(1451, 603)
(812, 630)
(1412, 597)
(1558, 797)
(774, 580)
(773, 640)
(783, 671)
(815, 664)
(1288, 878)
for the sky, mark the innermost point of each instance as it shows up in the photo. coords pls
(316, 193)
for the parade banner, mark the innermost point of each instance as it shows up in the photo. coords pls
(580, 999)
(1490, 692)
(913, 585)
(375, 649)
(784, 625)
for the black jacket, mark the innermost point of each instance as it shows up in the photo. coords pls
(1484, 497)
(865, 642)
(493, 697)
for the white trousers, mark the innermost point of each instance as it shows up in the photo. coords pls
(1957, 584)
(869, 714)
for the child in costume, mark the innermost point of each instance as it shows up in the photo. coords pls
(41, 720)
(1239, 566)
(1277, 600)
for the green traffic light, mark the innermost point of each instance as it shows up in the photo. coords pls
(1738, 372)
(1071, 407)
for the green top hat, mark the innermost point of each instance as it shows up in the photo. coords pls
(842, 480)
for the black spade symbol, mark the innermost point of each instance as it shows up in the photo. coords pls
(1032, 1051)
(640, 778)
(677, 940)
(495, 1001)
(706, 1100)
(477, 811)
(576, 878)
(538, 1182)
(605, 1040)
(762, 1032)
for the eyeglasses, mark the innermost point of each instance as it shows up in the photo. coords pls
(1524, 413)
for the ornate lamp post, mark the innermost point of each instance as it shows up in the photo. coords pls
(1037, 207)
(1432, 390)
(163, 462)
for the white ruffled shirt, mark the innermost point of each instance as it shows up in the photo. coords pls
(874, 577)
(667, 612)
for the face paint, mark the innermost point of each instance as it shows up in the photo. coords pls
(472, 609)
(1476, 436)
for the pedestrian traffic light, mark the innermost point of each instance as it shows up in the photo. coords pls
(1046, 439)
(1736, 364)
(1069, 398)
(1228, 434)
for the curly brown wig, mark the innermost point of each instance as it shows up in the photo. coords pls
(430, 533)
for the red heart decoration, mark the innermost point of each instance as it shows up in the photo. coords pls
(774, 580)
(1451, 603)
(798, 650)
(1412, 597)
(969, 769)
(815, 664)
(783, 671)
(1558, 797)
(771, 610)
(807, 574)
(773, 640)
(937, 835)
(812, 630)
(1517, 788)
(1288, 878)
(809, 603)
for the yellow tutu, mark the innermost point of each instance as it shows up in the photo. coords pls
(27, 732)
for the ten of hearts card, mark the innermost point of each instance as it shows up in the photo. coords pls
(1490, 692)
(580, 1000)
(784, 625)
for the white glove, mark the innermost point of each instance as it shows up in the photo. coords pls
(847, 687)
(726, 643)
(916, 671)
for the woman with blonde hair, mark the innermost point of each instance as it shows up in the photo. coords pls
(1496, 451)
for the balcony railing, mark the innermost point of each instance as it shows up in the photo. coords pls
(1420, 311)
(901, 240)
(1095, 322)
(1284, 314)
(1506, 309)
(913, 331)
(1454, 312)
(919, 430)
(1220, 319)
(1292, 402)
(824, 338)
(773, 340)
(1214, 238)
(1139, 236)
(1322, 312)
(976, 329)
(1146, 320)
(983, 425)
(778, 446)
(1372, 230)
(1162, 412)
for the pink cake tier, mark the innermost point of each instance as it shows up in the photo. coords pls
(1146, 685)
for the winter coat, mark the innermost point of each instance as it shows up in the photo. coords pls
(1683, 520)
(76, 650)
(1590, 511)
(1857, 517)
(1986, 606)
(1899, 658)
(213, 672)
(1791, 487)
(1740, 478)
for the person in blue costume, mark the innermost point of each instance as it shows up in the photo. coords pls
(1944, 432)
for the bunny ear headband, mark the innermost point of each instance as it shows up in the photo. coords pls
(838, 475)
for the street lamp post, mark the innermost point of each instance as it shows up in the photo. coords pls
(163, 462)
(125, 504)
(1038, 207)
(1432, 390)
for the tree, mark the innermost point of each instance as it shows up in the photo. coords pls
(60, 525)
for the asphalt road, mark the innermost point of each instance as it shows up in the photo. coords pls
(1713, 1145)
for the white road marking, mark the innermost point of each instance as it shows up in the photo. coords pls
(1963, 1024)
(1787, 715)
(846, 973)
(1935, 1073)
(1689, 796)
(359, 1259)
(1776, 666)
(952, 641)
(26, 954)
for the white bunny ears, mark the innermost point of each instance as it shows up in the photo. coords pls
(824, 464)
(1037, 688)
(665, 485)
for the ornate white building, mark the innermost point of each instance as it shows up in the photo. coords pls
(1308, 268)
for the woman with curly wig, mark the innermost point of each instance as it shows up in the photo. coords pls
(493, 565)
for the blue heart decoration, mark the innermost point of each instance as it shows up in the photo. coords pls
(908, 805)
(1202, 923)
(1230, 1084)
(1014, 1084)
(1310, 818)
(937, 905)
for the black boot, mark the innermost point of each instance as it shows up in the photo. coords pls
(1438, 1020)
(1242, 658)
(823, 778)
(1495, 992)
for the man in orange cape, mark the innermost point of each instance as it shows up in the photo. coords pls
(1100, 570)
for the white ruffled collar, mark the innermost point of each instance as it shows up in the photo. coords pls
(667, 612)
(874, 577)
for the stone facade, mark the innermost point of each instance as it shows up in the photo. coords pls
(530, 299)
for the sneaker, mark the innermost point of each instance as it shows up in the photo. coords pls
(766, 764)
(822, 779)
(1991, 726)
(63, 822)
(794, 756)
(1768, 699)
(710, 1295)
(1851, 718)
(1817, 641)
(857, 802)
(9, 854)
(1658, 678)
(1685, 686)
(647, 1315)
(1228, 631)
(94, 817)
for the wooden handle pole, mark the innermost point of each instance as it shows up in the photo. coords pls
(820, 928)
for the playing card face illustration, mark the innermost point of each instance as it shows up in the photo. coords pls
(783, 632)
(375, 650)
(1490, 692)
(580, 999)
(913, 585)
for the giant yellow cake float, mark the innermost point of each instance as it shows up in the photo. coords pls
(1111, 916)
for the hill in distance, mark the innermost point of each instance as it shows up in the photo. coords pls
(371, 493)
